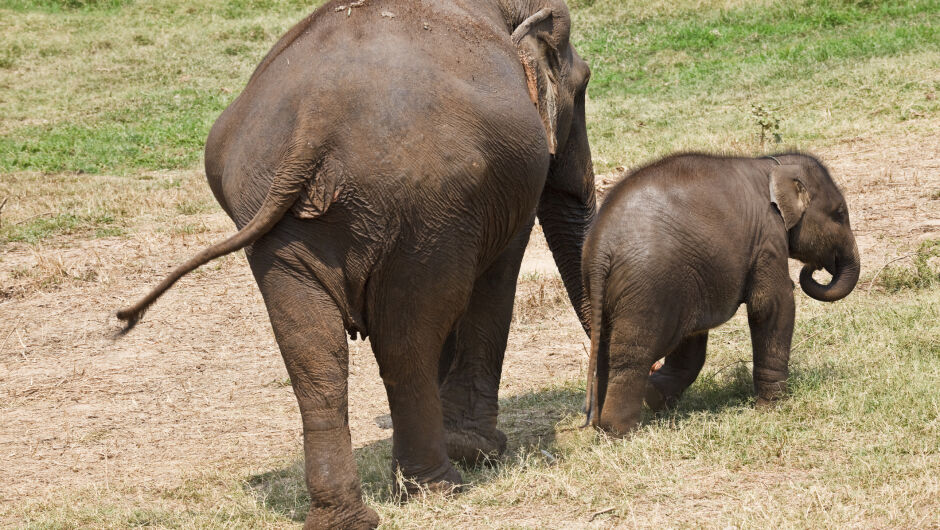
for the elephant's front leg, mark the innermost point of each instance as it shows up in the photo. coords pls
(309, 331)
(682, 366)
(770, 313)
(472, 360)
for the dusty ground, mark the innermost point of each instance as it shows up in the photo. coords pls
(200, 385)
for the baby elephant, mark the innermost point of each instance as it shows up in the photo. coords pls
(679, 245)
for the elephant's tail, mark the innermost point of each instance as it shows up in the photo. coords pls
(595, 285)
(289, 180)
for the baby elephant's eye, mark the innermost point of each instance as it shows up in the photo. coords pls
(839, 214)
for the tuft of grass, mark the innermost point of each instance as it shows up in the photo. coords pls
(924, 272)
(535, 294)
(9, 55)
(193, 207)
(47, 273)
(189, 229)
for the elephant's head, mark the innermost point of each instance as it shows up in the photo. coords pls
(557, 80)
(817, 221)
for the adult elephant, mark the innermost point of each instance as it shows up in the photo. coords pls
(384, 166)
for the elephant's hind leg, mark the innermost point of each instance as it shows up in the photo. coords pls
(309, 331)
(469, 391)
(409, 324)
(633, 346)
(680, 370)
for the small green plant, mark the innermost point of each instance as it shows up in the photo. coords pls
(143, 40)
(768, 124)
(236, 49)
(9, 55)
(109, 231)
(923, 274)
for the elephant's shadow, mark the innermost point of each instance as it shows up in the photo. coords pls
(733, 386)
(531, 422)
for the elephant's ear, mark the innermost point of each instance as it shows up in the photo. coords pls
(788, 193)
(538, 50)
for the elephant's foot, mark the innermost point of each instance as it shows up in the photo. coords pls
(355, 517)
(655, 400)
(769, 392)
(445, 482)
(472, 447)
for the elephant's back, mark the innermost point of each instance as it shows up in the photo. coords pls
(677, 232)
(408, 97)
(427, 124)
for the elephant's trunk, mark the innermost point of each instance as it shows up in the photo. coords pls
(844, 276)
(565, 219)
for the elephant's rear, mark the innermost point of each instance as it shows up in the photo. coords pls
(415, 140)
(662, 231)
(371, 85)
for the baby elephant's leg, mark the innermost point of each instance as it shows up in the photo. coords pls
(632, 349)
(682, 366)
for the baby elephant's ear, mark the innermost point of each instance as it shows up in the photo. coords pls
(788, 193)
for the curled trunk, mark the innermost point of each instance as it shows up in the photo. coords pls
(844, 277)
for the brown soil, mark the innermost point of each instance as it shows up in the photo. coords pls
(200, 385)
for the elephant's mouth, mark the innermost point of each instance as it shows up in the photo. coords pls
(829, 266)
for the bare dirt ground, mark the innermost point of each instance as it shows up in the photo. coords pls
(199, 385)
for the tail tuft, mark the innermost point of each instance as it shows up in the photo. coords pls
(131, 316)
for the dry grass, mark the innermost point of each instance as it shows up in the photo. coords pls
(856, 444)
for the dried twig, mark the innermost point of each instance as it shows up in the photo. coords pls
(601, 512)
(883, 267)
(725, 367)
(31, 217)
(10, 334)
(802, 342)
(2, 204)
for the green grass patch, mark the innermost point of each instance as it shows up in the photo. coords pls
(62, 5)
(41, 228)
(42, 206)
(689, 79)
(101, 88)
(160, 130)
(922, 273)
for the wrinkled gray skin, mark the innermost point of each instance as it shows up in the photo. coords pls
(384, 167)
(679, 245)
